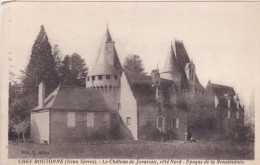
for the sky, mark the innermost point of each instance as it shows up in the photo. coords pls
(223, 39)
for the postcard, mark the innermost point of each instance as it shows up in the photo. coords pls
(151, 83)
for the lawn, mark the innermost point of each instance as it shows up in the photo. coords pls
(145, 150)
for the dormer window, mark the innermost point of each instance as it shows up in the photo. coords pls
(99, 77)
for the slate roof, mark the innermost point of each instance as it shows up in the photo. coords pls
(181, 55)
(74, 98)
(171, 62)
(221, 90)
(176, 61)
(102, 67)
(143, 89)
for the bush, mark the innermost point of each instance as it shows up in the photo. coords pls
(150, 133)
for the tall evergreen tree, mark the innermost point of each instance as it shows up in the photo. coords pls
(41, 66)
(57, 59)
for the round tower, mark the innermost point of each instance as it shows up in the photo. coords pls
(106, 73)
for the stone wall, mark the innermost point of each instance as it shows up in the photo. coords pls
(61, 132)
(40, 127)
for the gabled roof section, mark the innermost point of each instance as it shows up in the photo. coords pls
(198, 84)
(222, 90)
(75, 98)
(143, 89)
(102, 65)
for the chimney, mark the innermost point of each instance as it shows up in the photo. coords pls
(41, 94)
(155, 77)
(156, 80)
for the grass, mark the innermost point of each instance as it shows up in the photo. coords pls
(146, 150)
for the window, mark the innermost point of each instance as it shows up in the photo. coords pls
(71, 119)
(160, 123)
(173, 123)
(99, 77)
(108, 77)
(160, 107)
(93, 78)
(237, 114)
(115, 77)
(110, 89)
(88, 78)
(90, 120)
(228, 103)
(228, 114)
(177, 123)
(118, 106)
(106, 118)
(128, 121)
(216, 101)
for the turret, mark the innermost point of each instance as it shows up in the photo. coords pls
(171, 69)
(106, 72)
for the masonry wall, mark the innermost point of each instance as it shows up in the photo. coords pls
(40, 127)
(61, 132)
(148, 115)
(182, 130)
(128, 106)
(147, 121)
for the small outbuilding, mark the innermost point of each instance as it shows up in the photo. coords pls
(69, 114)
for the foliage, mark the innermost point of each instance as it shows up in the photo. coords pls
(151, 133)
(45, 64)
(41, 66)
(73, 70)
(133, 64)
(57, 59)
(19, 126)
(118, 130)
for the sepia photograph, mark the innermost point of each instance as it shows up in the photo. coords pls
(129, 80)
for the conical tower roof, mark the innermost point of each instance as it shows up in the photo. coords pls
(181, 54)
(106, 63)
(171, 62)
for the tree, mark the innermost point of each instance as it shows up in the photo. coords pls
(41, 65)
(133, 64)
(19, 126)
(73, 70)
(57, 55)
